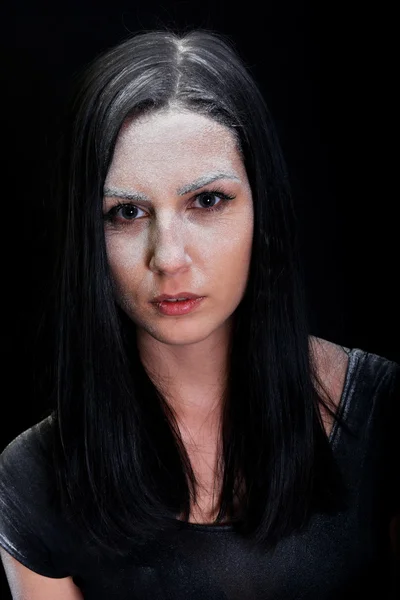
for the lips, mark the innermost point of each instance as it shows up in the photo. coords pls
(185, 295)
(180, 308)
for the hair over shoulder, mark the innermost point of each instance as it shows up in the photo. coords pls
(122, 471)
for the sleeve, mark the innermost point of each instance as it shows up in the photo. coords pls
(394, 441)
(393, 473)
(28, 521)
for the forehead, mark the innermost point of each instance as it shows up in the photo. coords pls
(173, 143)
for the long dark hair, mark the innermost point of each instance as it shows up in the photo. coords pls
(121, 468)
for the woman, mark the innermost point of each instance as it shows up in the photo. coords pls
(202, 444)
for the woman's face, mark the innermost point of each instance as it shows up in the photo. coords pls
(167, 240)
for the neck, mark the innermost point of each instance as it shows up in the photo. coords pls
(192, 377)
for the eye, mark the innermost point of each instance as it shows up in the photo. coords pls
(124, 212)
(207, 197)
(129, 211)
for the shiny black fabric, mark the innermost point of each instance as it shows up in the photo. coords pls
(342, 556)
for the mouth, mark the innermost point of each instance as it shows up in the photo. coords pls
(176, 307)
(179, 297)
(174, 300)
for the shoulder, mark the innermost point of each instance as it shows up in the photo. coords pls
(331, 364)
(365, 372)
(30, 526)
(368, 383)
(328, 354)
(28, 450)
(32, 434)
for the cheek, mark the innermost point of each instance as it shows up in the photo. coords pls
(226, 258)
(234, 241)
(241, 238)
(125, 256)
(224, 250)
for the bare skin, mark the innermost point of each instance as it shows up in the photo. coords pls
(332, 362)
(175, 245)
(166, 241)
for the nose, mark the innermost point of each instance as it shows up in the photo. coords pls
(168, 248)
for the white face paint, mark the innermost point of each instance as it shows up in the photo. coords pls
(174, 244)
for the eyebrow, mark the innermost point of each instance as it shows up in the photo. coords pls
(190, 187)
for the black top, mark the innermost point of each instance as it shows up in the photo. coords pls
(341, 556)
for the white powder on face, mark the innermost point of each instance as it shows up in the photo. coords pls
(173, 247)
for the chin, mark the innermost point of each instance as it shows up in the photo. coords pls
(180, 338)
(179, 331)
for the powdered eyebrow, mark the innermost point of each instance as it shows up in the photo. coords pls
(190, 187)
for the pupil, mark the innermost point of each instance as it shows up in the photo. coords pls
(208, 197)
(128, 208)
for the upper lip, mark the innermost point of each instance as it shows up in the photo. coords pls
(174, 296)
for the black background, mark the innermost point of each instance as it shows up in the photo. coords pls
(327, 72)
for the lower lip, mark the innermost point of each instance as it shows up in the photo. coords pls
(182, 307)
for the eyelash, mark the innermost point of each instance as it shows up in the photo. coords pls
(112, 213)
